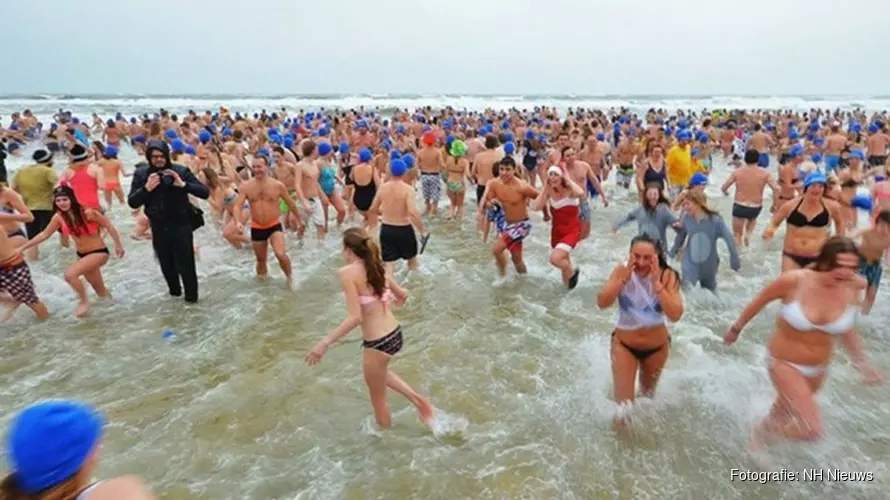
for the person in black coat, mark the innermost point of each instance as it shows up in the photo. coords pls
(163, 188)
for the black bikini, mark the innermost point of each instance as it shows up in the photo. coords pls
(798, 219)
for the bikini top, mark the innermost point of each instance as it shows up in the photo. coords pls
(792, 313)
(798, 219)
(367, 300)
(638, 305)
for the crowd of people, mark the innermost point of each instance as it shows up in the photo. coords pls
(256, 177)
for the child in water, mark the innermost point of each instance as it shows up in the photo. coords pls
(875, 241)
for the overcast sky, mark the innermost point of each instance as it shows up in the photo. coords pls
(454, 46)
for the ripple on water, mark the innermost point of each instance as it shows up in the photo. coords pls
(520, 376)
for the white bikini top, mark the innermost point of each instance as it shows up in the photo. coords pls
(793, 314)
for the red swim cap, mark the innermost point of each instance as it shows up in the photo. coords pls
(429, 138)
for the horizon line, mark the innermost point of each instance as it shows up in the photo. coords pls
(75, 95)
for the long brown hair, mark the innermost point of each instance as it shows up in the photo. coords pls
(67, 490)
(834, 246)
(364, 247)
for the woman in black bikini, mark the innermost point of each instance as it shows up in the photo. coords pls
(651, 169)
(808, 217)
(369, 293)
(84, 225)
(364, 178)
(647, 291)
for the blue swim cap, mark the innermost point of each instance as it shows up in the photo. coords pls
(509, 148)
(395, 154)
(448, 141)
(139, 139)
(704, 139)
(529, 134)
(814, 178)
(400, 129)
(386, 145)
(204, 136)
(322, 132)
(226, 132)
(178, 146)
(288, 142)
(856, 127)
(110, 152)
(816, 158)
(862, 201)
(793, 134)
(873, 129)
(684, 135)
(795, 151)
(190, 150)
(409, 160)
(361, 124)
(50, 441)
(818, 141)
(324, 148)
(264, 152)
(170, 134)
(343, 148)
(365, 155)
(397, 168)
(699, 179)
(509, 137)
(601, 136)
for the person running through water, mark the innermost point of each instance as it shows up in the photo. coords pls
(512, 194)
(702, 227)
(564, 198)
(875, 241)
(84, 225)
(653, 216)
(398, 217)
(264, 195)
(16, 284)
(819, 305)
(648, 291)
(749, 181)
(369, 291)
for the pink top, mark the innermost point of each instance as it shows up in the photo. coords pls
(86, 187)
(367, 300)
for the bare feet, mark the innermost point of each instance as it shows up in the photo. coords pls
(292, 285)
(10, 305)
(262, 277)
(82, 309)
(425, 410)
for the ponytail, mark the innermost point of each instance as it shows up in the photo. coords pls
(374, 269)
(66, 490)
(365, 248)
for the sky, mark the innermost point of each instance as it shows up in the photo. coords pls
(591, 47)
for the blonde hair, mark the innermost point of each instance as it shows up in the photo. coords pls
(701, 200)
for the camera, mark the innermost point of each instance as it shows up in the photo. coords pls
(167, 180)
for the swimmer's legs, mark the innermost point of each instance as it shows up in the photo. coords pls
(374, 366)
(795, 413)
(72, 275)
(261, 251)
(750, 225)
(277, 242)
(94, 278)
(498, 250)
(516, 257)
(738, 231)
(624, 373)
(651, 369)
(561, 260)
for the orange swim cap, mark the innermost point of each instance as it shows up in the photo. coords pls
(429, 138)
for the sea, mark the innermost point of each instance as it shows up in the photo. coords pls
(225, 407)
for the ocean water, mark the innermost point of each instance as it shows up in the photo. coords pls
(519, 372)
(134, 104)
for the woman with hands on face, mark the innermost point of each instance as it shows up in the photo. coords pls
(818, 306)
(648, 292)
(369, 292)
